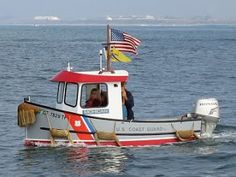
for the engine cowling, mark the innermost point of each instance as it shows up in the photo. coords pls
(207, 107)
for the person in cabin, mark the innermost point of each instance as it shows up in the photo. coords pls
(94, 99)
(127, 102)
(104, 100)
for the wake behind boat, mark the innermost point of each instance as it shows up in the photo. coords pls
(75, 121)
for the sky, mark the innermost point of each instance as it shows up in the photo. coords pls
(87, 9)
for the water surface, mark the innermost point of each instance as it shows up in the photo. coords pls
(175, 67)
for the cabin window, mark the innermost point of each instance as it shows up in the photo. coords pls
(60, 92)
(71, 95)
(94, 95)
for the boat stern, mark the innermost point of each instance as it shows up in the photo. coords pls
(208, 111)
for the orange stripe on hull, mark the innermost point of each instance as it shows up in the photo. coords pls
(78, 124)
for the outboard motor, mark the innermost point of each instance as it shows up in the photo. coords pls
(208, 111)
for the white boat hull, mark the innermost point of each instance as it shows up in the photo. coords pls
(84, 129)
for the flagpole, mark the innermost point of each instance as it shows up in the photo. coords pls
(108, 48)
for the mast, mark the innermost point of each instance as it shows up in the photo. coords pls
(108, 48)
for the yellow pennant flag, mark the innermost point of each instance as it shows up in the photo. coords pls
(118, 56)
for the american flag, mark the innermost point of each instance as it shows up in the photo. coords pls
(124, 42)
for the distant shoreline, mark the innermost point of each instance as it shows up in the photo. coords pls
(114, 24)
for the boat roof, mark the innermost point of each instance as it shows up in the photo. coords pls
(90, 76)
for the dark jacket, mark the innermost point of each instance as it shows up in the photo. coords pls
(129, 104)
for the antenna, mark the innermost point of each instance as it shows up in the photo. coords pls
(100, 60)
(69, 67)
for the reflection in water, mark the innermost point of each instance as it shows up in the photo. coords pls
(108, 160)
(80, 161)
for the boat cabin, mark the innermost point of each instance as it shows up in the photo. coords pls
(77, 89)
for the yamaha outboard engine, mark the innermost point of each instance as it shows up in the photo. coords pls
(208, 111)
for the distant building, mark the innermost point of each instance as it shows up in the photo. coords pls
(47, 18)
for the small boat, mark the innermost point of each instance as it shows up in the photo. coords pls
(72, 121)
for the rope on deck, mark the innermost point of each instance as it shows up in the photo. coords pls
(59, 133)
(26, 114)
(186, 135)
(101, 135)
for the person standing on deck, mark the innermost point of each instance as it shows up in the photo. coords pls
(127, 102)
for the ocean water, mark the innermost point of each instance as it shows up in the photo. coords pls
(176, 66)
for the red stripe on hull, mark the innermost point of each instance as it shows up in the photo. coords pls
(111, 143)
